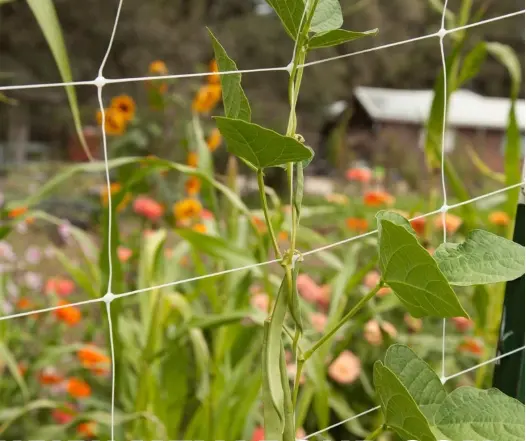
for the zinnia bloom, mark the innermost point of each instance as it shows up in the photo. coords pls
(206, 98)
(214, 78)
(452, 223)
(471, 346)
(308, 288)
(260, 301)
(187, 209)
(87, 430)
(114, 121)
(90, 356)
(192, 159)
(16, 212)
(372, 278)
(419, 225)
(362, 175)
(125, 105)
(158, 67)
(377, 198)
(373, 331)
(214, 140)
(200, 228)
(346, 368)
(462, 324)
(124, 253)
(413, 324)
(192, 186)
(50, 377)
(63, 415)
(24, 303)
(499, 218)
(78, 388)
(70, 315)
(60, 286)
(148, 208)
(357, 224)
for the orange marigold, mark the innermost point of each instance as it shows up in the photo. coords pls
(206, 98)
(158, 67)
(192, 159)
(78, 388)
(357, 224)
(70, 315)
(471, 346)
(215, 78)
(192, 186)
(419, 225)
(187, 208)
(200, 228)
(115, 121)
(499, 218)
(87, 430)
(214, 140)
(377, 198)
(16, 212)
(24, 303)
(125, 105)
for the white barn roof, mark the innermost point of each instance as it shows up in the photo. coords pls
(466, 108)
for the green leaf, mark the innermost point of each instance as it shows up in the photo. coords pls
(290, 13)
(400, 411)
(483, 258)
(508, 58)
(259, 146)
(472, 63)
(473, 414)
(336, 37)
(414, 275)
(396, 219)
(234, 99)
(202, 360)
(293, 300)
(420, 380)
(327, 17)
(9, 416)
(273, 422)
(8, 359)
(46, 16)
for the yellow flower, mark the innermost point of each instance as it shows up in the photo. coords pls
(158, 67)
(192, 186)
(115, 122)
(499, 218)
(125, 105)
(115, 188)
(214, 78)
(192, 159)
(214, 140)
(187, 208)
(206, 98)
(200, 228)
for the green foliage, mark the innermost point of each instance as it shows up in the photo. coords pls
(336, 37)
(483, 258)
(259, 146)
(413, 274)
(235, 101)
(327, 16)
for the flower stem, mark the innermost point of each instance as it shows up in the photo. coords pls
(375, 433)
(345, 318)
(263, 196)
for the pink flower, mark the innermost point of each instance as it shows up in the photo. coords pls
(413, 324)
(260, 301)
(383, 291)
(462, 324)
(371, 279)
(33, 280)
(359, 174)
(319, 321)
(33, 255)
(148, 208)
(60, 286)
(309, 289)
(207, 214)
(6, 252)
(346, 368)
(124, 254)
(258, 434)
(373, 331)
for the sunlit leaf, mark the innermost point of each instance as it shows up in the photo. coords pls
(472, 63)
(290, 13)
(336, 37)
(327, 17)
(483, 258)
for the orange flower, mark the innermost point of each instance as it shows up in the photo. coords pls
(158, 67)
(419, 225)
(16, 212)
(260, 301)
(50, 377)
(115, 121)
(471, 346)
(383, 291)
(462, 324)
(362, 175)
(319, 321)
(60, 286)
(206, 98)
(87, 430)
(124, 253)
(207, 214)
(346, 368)
(147, 207)
(499, 218)
(214, 78)
(91, 356)
(452, 222)
(258, 434)
(125, 105)
(192, 185)
(65, 415)
(69, 314)
(115, 189)
(357, 224)
(187, 209)
(192, 159)
(24, 303)
(199, 228)
(259, 223)
(413, 324)
(78, 388)
(377, 198)
(22, 368)
(214, 140)
(283, 236)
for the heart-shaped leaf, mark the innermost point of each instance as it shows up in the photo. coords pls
(336, 37)
(412, 273)
(400, 410)
(479, 415)
(420, 380)
(234, 99)
(259, 146)
(290, 13)
(483, 258)
(327, 17)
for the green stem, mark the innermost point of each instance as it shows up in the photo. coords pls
(299, 369)
(375, 433)
(263, 197)
(344, 320)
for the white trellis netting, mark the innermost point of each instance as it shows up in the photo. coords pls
(100, 82)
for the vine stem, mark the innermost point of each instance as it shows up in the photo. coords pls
(375, 433)
(263, 197)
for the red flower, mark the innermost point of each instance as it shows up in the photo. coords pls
(148, 208)
(63, 415)
(377, 198)
(258, 434)
(419, 225)
(357, 224)
(60, 286)
(363, 175)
